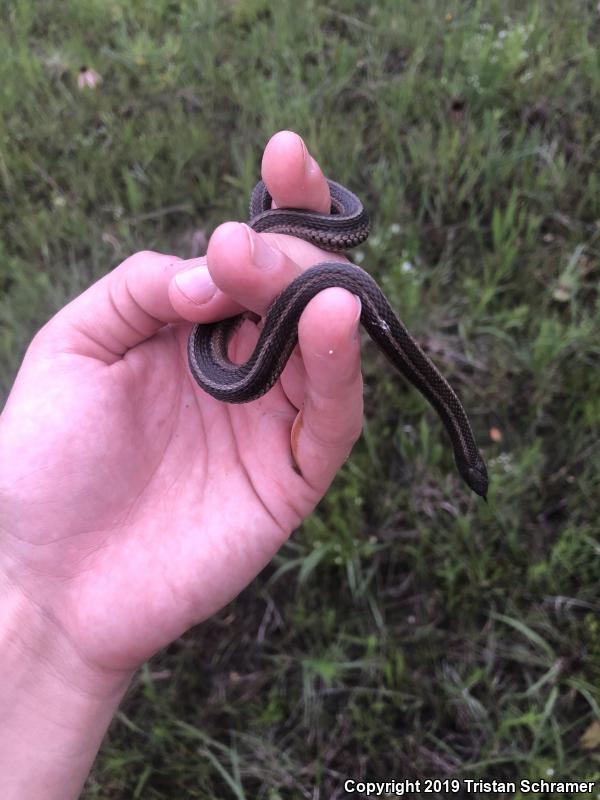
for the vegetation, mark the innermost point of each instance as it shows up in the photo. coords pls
(408, 630)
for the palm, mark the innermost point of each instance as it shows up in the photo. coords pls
(153, 466)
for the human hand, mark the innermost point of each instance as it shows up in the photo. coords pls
(133, 505)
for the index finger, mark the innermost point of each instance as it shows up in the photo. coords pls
(293, 177)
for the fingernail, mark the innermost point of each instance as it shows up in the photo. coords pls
(262, 255)
(295, 439)
(356, 325)
(305, 155)
(310, 165)
(196, 284)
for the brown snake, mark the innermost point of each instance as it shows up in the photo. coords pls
(347, 226)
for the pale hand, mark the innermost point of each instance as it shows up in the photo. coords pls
(132, 505)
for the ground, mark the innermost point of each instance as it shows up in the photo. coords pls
(408, 630)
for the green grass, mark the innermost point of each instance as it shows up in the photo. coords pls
(407, 630)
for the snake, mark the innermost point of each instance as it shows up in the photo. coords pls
(346, 226)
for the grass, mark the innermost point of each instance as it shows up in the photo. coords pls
(407, 630)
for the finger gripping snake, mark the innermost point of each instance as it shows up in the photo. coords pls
(345, 227)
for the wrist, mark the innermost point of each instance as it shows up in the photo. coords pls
(54, 707)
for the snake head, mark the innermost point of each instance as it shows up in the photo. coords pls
(476, 476)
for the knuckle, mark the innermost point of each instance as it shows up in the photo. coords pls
(331, 429)
(143, 258)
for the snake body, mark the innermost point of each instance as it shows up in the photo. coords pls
(347, 226)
